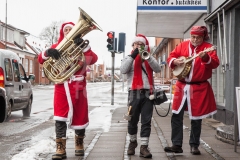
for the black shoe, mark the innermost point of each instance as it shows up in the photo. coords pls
(131, 147)
(195, 151)
(175, 149)
(144, 152)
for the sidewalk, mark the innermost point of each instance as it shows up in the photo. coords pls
(112, 145)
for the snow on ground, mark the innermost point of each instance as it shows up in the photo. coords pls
(100, 117)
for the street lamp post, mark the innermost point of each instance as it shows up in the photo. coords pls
(6, 28)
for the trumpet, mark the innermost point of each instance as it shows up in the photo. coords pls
(144, 54)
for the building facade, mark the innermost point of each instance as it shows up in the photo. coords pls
(14, 39)
(172, 22)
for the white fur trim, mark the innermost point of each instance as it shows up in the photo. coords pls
(170, 63)
(44, 57)
(87, 48)
(68, 25)
(79, 126)
(60, 118)
(139, 39)
(146, 47)
(209, 61)
(76, 78)
(203, 116)
(70, 112)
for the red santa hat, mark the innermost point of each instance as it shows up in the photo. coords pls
(201, 31)
(64, 25)
(143, 39)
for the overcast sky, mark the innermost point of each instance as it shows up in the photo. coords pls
(111, 15)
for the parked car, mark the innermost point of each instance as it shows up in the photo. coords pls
(16, 91)
(3, 104)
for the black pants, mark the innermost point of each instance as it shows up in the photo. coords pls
(141, 105)
(61, 129)
(177, 129)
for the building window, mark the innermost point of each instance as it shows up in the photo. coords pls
(10, 35)
(1, 32)
(26, 65)
(31, 66)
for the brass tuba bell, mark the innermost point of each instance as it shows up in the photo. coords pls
(68, 64)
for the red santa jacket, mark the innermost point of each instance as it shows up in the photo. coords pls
(200, 98)
(90, 58)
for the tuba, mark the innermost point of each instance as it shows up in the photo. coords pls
(72, 57)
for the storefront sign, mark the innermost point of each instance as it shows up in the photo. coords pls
(172, 6)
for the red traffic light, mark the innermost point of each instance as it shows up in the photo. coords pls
(110, 35)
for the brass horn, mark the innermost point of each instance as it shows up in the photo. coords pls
(144, 54)
(62, 69)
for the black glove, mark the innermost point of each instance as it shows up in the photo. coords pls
(135, 53)
(51, 52)
(78, 40)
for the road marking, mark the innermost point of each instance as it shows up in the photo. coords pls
(91, 145)
(163, 140)
(126, 156)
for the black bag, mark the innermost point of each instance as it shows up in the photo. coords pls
(159, 97)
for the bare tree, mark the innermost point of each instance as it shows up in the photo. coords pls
(50, 33)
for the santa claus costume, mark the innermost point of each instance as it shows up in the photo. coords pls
(194, 93)
(70, 97)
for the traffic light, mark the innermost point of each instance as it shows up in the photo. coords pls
(111, 41)
(121, 42)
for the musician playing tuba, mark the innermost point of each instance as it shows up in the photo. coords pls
(70, 96)
(194, 92)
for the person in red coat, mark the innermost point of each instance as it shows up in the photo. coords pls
(193, 93)
(70, 97)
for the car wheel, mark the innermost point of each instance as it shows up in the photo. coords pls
(27, 111)
(9, 112)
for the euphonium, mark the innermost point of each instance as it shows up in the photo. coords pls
(72, 57)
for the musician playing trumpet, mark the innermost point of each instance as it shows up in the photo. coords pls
(139, 67)
(193, 93)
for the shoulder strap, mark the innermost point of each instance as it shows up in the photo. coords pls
(144, 71)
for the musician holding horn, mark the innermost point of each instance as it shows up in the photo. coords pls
(139, 68)
(70, 96)
(193, 93)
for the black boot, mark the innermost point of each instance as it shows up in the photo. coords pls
(175, 149)
(195, 151)
(131, 147)
(144, 152)
(79, 147)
